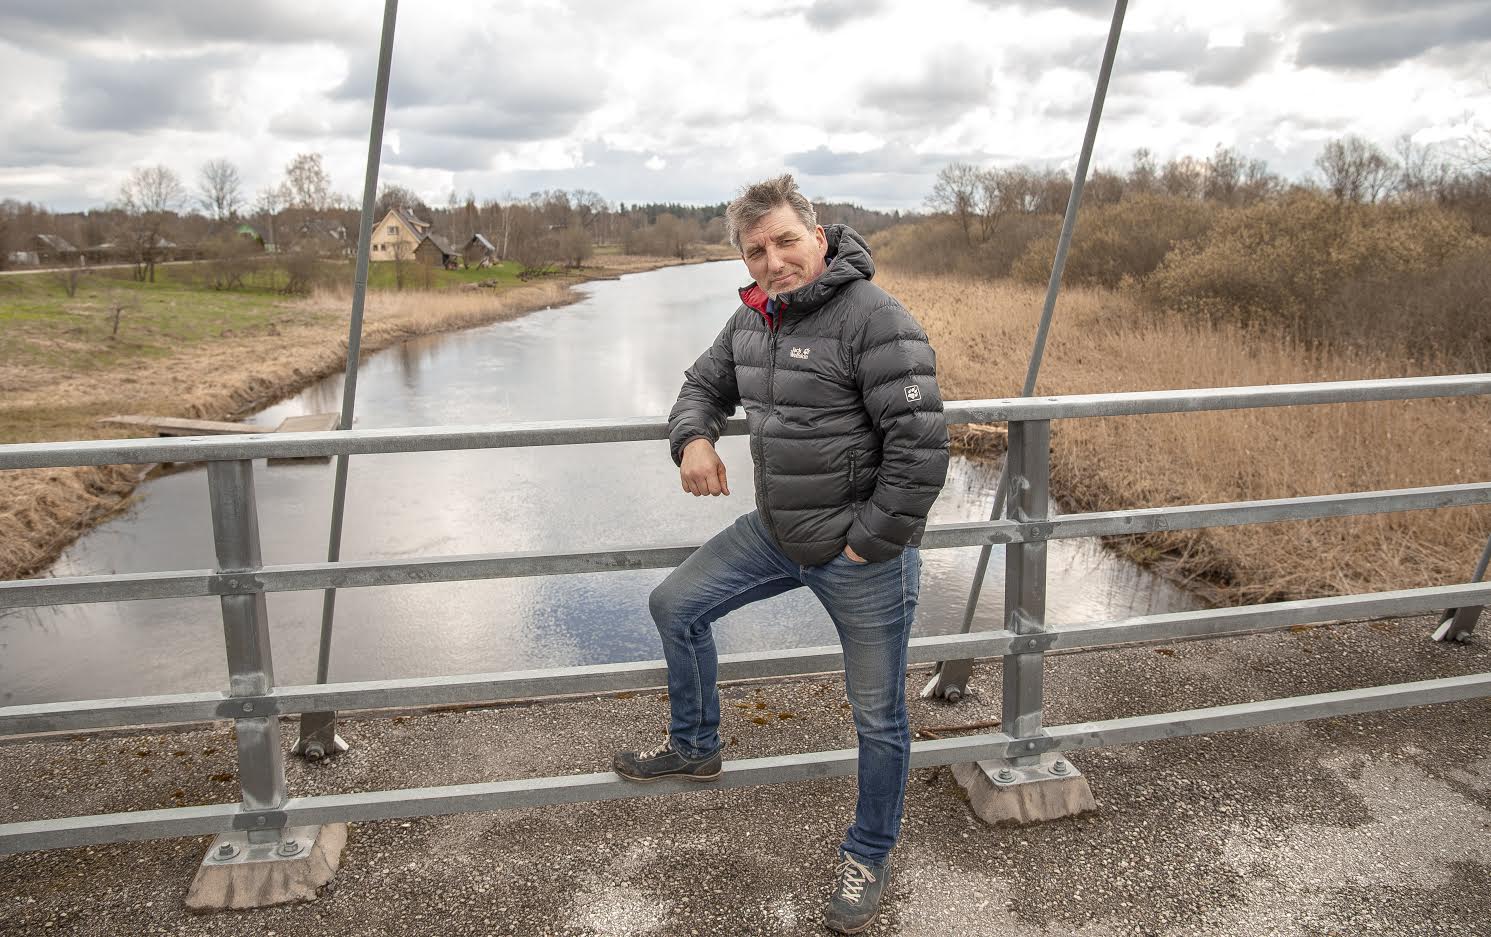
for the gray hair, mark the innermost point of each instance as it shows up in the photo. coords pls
(757, 201)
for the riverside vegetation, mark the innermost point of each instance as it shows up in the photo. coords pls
(1169, 292)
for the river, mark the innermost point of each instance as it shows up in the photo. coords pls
(619, 352)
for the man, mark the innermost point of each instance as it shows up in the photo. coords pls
(850, 446)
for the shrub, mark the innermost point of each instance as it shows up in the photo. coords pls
(1277, 262)
(1125, 239)
(937, 246)
(1444, 313)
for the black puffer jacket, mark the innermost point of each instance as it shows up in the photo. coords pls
(846, 422)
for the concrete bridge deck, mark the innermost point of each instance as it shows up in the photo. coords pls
(1378, 824)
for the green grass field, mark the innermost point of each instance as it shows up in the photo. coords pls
(41, 326)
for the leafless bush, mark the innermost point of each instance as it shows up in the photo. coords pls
(937, 245)
(1276, 263)
(1128, 239)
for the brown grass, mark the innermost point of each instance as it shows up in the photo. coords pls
(1103, 342)
(42, 511)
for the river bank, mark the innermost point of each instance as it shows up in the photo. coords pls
(242, 368)
(1103, 342)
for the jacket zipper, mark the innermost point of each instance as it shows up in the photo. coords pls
(853, 472)
(771, 401)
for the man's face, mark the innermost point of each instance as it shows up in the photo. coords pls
(782, 253)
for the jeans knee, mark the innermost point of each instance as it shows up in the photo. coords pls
(879, 716)
(661, 603)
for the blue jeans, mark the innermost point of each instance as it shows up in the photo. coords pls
(872, 606)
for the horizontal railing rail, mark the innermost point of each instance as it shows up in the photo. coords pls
(748, 772)
(348, 574)
(255, 703)
(466, 689)
(642, 429)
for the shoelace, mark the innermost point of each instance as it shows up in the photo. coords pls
(661, 750)
(852, 878)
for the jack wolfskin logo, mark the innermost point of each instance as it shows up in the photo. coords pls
(801, 353)
(913, 393)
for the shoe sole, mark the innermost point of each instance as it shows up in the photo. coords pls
(860, 929)
(663, 777)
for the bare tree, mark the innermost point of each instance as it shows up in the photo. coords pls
(1223, 175)
(307, 184)
(148, 199)
(391, 196)
(219, 189)
(1184, 177)
(1144, 176)
(1421, 173)
(575, 246)
(1356, 169)
(956, 193)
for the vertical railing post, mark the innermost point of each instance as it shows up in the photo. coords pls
(235, 532)
(1029, 473)
(1458, 624)
(1030, 784)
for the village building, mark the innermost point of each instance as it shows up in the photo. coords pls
(479, 251)
(54, 251)
(397, 236)
(433, 251)
(322, 237)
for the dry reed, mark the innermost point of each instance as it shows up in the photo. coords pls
(1102, 341)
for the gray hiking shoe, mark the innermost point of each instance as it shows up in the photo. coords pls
(665, 762)
(856, 898)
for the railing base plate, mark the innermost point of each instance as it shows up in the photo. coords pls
(239, 871)
(1048, 789)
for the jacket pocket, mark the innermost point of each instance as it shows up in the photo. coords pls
(854, 480)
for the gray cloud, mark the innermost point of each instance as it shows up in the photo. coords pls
(171, 21)
(895, 158)
(831, 14)
(951, 85)
(1384, 42)
(536, 116)
(1103, 8)
(142, 94)
(518, 95)
(1154, 51)
(1331, 11)
(32, 143)
(427, 151)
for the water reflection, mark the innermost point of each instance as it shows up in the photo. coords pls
(620, 352)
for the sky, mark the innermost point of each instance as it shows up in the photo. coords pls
(659, 100)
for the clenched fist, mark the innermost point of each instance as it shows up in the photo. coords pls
(701, 471)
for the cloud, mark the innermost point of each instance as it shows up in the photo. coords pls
(173, 22)
(427, 151)
(1103, 8)
(536, 116)
(829, 15)
(524, 93)
(891, 158)
(141, 94)
(951, 84)
(1331, 11)
(1385, 42)
(1186, 52)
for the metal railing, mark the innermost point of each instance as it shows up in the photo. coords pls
(255, 703)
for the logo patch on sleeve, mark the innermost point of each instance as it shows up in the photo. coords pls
(913, 393)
